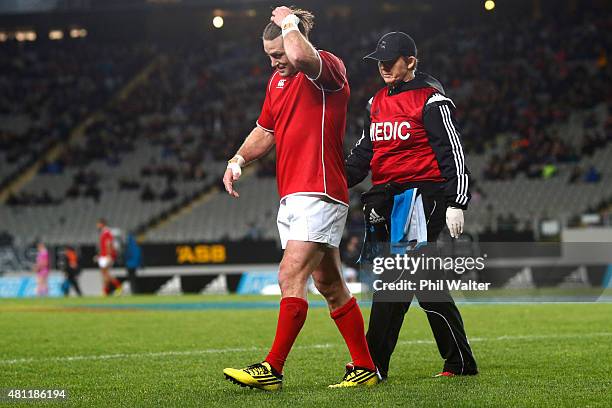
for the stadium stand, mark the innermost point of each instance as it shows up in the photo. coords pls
(536, 129)
(45, 91)
(146, 154)
(215, 219)
(506, 107)
(493, 200)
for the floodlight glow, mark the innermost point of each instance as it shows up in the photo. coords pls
(218, 22)
(56, 34)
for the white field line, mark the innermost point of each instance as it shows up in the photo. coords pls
(121, 356)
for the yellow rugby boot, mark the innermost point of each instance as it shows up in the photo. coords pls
(260, 375)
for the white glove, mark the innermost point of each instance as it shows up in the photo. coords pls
(454, 221)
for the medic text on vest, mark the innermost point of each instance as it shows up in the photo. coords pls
(380, 131)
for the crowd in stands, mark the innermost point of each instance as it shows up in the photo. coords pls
(182, 109)
(6, 239)
(194, 107)
(31, 199)
(509, 87)
(538, 156)
(559, 68)
(602, 212)
(510, 82)
(46, 90)
(508, 104)
(85, 184)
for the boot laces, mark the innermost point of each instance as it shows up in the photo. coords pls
(256, 369)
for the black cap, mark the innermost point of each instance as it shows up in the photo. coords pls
(393, 45)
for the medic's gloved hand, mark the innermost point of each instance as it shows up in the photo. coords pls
(454, 221)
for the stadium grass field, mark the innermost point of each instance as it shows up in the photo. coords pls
(170, 351)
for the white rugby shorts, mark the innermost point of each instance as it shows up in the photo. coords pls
(105, 261)
(311, 218)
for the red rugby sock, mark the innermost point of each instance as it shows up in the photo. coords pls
(349, 320)
(291, 318)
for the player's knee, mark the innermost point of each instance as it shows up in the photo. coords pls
(323, 287)
(289, 279)
(330, 289)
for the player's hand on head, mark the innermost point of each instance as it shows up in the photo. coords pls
(228, 181)
(279, 13)
(454, 221)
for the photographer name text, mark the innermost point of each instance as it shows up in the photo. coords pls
(431, 285)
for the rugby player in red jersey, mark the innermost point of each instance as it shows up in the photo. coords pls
(304, 117)
(106, 257)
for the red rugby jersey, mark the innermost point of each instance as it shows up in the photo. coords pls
(106, 239)
(308, 119)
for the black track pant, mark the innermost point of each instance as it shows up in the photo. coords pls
(133, 280)
(386, 318)
(71, 280)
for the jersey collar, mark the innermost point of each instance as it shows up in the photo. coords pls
(421, 80)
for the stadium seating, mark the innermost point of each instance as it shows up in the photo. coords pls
(528, 200)
(189, 114)
(46, 90)
(151, 139)
(75, 218)
(216, 219)
(531, 200)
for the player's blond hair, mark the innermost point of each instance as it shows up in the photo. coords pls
(306, 17)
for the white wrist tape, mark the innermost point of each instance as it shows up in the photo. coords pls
(240, 160)
(290, 23)
(235, 168)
